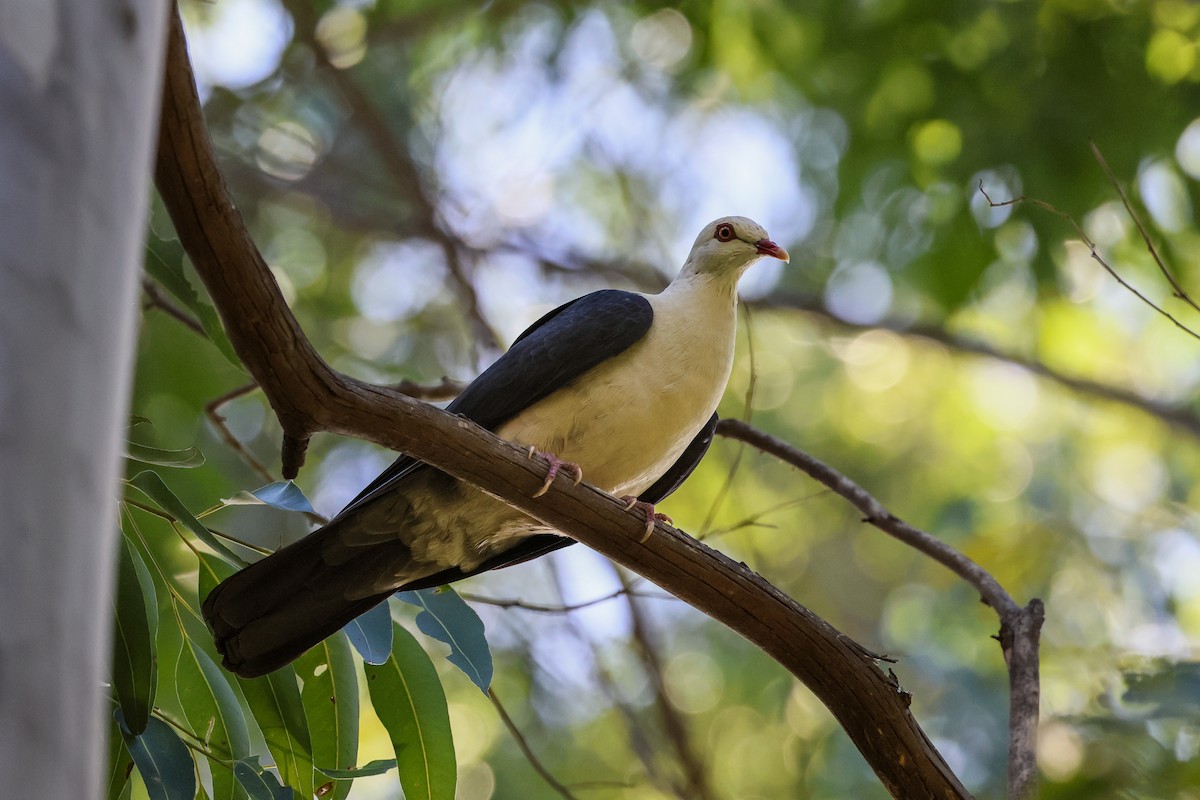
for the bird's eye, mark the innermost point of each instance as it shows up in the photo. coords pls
(725, 232)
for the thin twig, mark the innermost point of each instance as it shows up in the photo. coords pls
(875, 513)
(1020, 628)
(558, 609)
(156, 299)
(1091, 246)
(212, 409)
(697, 787)
(748, 415)
(530, 756)
(1176, 287)
(640, 743)
(403, 169)
(445, 389)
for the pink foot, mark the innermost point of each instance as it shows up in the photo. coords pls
(556, 464)
(651, 515)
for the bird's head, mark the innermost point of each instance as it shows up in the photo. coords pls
(727, 246)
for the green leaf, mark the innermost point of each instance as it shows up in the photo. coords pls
(274, 699)
(187, 458)
(371, 634)
(446, 617)
(213, 570)
(409, 701)
(281, 494)
(213, 713)
(171, 276)
(330, 696)
(153, 487)
(134, 659)
(120, 764)
(258, 783)
(162, 759)
(376, 767)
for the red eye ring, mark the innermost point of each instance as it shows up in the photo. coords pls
(725, 232)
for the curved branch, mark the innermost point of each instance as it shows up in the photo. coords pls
(1020, 628)
(309, 396)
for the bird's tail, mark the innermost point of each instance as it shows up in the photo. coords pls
(268, 614)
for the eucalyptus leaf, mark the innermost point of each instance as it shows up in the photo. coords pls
(258, 783)
(213, 713)
(151, 485)
(134, 660)
(275, 702)
(376, 767)
(285, 495)
(446, 617)
(162, 759)
(186, 458)
(171, 275)
(371, 634)
(330, 695)
(409, 700)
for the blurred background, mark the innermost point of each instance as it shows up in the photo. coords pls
(426, 178)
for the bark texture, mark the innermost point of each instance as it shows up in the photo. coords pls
(79, 89)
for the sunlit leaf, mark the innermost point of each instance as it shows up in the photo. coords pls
(189, 457)
(162, 759)
(371, 634)
(134, 659)
(330, 695)
(281, 494)
(447, 618)
(274, 700)
(153, 487)
(409, 700)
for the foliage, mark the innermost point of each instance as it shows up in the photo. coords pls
(425, 179)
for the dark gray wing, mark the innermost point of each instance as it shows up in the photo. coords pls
(552, 352)
(543, 543)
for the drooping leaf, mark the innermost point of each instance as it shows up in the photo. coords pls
(446, 617)
(186, 458)
(213, 713)
(120, 764)
(134, 658)
(376, 767)
(170, 274)
(162, 759)
(330, 695)
(371, 634)
(274, 700)
(283, 494)
(153, 487)
(258, 783)
(409, 700)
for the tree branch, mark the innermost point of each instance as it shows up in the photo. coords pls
(1020, 628)
(309, 396)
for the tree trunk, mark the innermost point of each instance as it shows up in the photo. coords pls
(79, 89)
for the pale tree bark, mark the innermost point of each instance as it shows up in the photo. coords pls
(79, 95)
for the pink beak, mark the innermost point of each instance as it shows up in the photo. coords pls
(766, 247)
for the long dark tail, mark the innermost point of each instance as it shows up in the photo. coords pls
(272, 611)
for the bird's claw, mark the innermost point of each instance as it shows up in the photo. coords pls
(652, 516)
(556, 464)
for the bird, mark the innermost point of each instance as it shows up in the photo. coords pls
(617, 387)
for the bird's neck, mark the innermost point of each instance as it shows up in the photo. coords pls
(720, 288)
